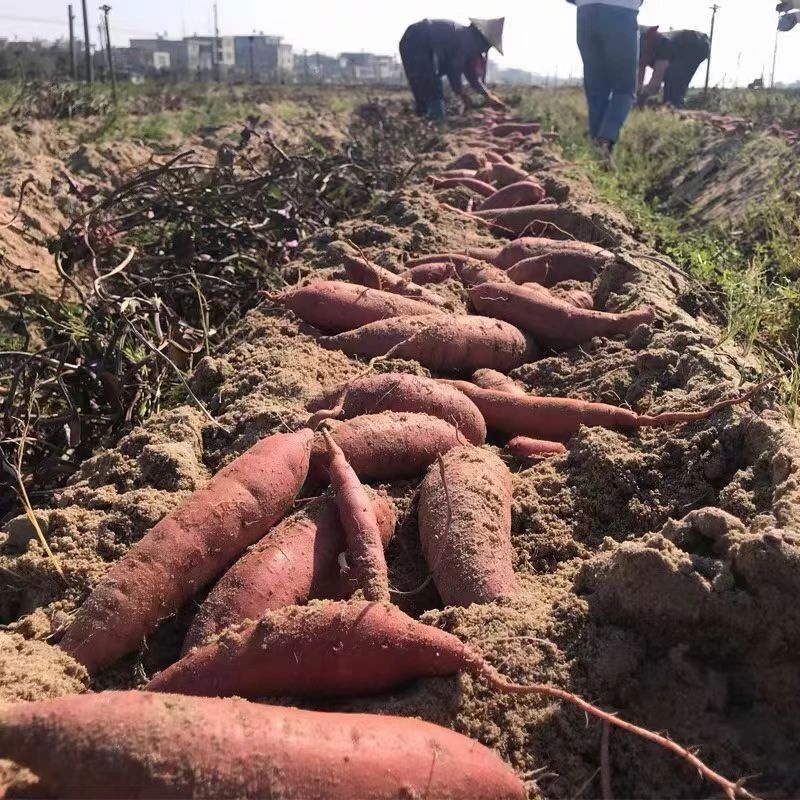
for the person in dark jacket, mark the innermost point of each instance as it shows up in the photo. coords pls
(435, 48)
(674, 58)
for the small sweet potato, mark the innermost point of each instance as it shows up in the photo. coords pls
(119, 745)
(474, 185)
(465, 527)
(434, 272)
(551, 321)
(336, 306)
(458, 173)
(492, 379)
(446, 342)
(188, 549)
(503, 174)
(565, 264)
(295, 562)
(471, 160)
(400, 392)
(522, 193)
(533, 220)
(524, 448)
(387, 446)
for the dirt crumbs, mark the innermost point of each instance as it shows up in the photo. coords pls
(657, 573)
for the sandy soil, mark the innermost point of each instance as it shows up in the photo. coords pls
(657, 572)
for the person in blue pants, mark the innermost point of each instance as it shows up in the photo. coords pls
(608, 38)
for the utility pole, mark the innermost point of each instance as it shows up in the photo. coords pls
(105, 9)
(215, 51)
(73, 62)
(774, 59)
(252, 40)
(714, 10)
(87, 52)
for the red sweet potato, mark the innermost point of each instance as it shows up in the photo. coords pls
(552, 321)
(492, 379)
(363, 272)
(386, 446)
(575, 297)
(493, 157)
(335, 649)
(116, 745)
(471, 160)
(529, 246)
(522, 193)
(458, 173)
(356, 513)
(560, 418)
(433, 272)
(524, 448)
(436, 258)
(474, 272)
(296, 562)
(446, 342)
(564, 264)
(400, 392)
(474, 185)
(188, 549)
(465, 527)
(523, 220)
(509, 128)
(335, 306)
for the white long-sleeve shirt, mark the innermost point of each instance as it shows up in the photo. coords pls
(632, 4)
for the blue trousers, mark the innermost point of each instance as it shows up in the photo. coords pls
(608, 38)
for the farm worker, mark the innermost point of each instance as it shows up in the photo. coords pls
(674, 58)
(608, 38)
(435, 48)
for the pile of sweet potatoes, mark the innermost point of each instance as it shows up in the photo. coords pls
(292, 540)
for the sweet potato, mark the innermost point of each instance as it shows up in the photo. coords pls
(116, 745)
(492, 379)
(400, 392)
(296, 562)
(575, 297)
(446, 342)
(560, 418)
(335, 306)
(474, 272)
(364, 542)
(458, 173)
(509, 128)
(494, 158)
(386, 446)
(436, 258)
(479, 187)
(341, 649)
(522, 193)
(552, 321)
(523, 220)
(524, 448)
(465, 527)
(363, 272)
(565, 264)
(189, 548)
(529, 246)
(471, 160)
(433, 272)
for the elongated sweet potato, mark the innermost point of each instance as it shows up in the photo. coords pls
(532, 220)
(470, 160)
(503, 174)
(479, 187)
(522, 193)
(446, 342)
(395, 391)
(492, 379)
(458, 173)
(509, 128)
(575, 297)
(335, 306)
(363, 272)
(386, 446)
(465, 527)
(296, 562)
(529, 246)
(524, 448)
(551, 321)
(560, 418)
(433, 272)
(565, 264)
(436, 258)
(469, 271)
(189, 548)
(118, 745)
(335, 649)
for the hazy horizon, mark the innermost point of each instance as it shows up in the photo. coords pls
(539, 38)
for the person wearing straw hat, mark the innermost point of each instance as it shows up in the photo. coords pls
(436, 48)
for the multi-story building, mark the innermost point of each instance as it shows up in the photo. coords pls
(262, 57)
(369, 67)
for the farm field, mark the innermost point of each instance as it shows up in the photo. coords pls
(147, 261)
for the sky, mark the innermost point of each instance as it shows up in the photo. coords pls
(540, 34)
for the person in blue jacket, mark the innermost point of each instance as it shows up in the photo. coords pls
(436, 48)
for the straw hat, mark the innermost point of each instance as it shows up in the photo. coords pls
(492, 31)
